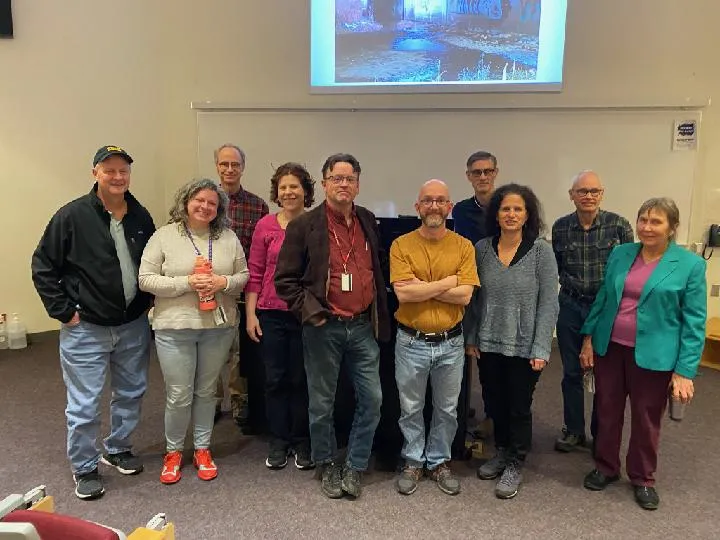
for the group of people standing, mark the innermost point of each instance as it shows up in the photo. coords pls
(314, 298)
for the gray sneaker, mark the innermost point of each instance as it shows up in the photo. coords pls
(493, 467)
(351, 481)
(331, 484)
(509, 483)
(408, 480)
(446, 480)
(569, 442)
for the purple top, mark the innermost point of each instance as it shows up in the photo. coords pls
(266, 242)
(625, 326)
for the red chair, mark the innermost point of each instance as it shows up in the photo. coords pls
(57, 526)
(32, 517)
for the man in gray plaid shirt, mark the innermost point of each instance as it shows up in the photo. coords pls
(582, 242)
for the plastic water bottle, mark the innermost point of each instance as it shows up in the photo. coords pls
(3, 333)
(17, 335)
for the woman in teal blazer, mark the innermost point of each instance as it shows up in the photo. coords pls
(645, 333)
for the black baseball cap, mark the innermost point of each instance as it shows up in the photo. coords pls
(105, 152)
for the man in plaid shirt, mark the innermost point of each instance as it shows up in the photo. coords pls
(582, 242)
(244, 211)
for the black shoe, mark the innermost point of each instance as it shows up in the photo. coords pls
(646, 497)
(597, 481)
(124, 462)
(303, 457)
(277, 456)
(332, 480)
(351, 482)
(569, 442)
(89, 486)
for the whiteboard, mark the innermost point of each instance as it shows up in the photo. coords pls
(399, 150)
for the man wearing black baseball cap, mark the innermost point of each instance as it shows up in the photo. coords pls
(105, 152)
(85, 270)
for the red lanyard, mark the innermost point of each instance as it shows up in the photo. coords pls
(345, 258)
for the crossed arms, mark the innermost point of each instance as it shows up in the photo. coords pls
(445, 290)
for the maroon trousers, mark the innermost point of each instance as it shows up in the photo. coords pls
(617, 376)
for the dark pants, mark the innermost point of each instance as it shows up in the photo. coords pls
(286, 398)
(252, 369)
(482, 375)
(570, 321)
(510, 386)
(617, 376)
(326, 348)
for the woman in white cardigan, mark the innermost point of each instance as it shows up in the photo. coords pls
(193, 343)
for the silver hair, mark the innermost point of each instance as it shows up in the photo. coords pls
(230, 145)
(665, 205)
(582, 173)
(178, 212)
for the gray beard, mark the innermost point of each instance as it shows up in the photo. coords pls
(433, 221)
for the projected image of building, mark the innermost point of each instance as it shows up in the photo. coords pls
(436, 41)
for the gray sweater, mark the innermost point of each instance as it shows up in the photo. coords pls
(167, 262)
(515, 309)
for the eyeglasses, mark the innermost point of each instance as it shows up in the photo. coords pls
(228, 164)
(585, 192)
(427, 203)
(478, 173)
(339, 179)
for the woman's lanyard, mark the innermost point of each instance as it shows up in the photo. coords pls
(345, 258)
(197, 251)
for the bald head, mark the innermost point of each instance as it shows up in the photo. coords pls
(586, 177)
(433, 205)
(434, 188)
(587, 193)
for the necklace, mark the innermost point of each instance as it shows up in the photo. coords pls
(477, 203)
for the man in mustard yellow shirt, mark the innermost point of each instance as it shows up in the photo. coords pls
(433, 273)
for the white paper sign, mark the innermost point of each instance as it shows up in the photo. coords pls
(685, 135)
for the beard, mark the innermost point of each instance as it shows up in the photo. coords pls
(433, 220)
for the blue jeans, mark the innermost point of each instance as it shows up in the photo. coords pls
(191, 361)
(326, 348)
(443, 363)
(87, 352)
(570, 321)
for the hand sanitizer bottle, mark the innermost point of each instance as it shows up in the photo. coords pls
(17, 335)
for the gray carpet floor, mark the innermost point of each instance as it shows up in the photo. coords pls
(249, 501)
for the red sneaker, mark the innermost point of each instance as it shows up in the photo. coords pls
(171, 468)
(203, 461)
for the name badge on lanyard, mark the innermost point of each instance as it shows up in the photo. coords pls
(346, 282)
(346, 278)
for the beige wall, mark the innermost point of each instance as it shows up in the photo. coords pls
(89, 72)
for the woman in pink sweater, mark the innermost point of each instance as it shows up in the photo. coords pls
(271, 324)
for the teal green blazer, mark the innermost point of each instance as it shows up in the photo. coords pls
(671, 311)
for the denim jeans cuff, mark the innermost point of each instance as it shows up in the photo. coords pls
(414, 463)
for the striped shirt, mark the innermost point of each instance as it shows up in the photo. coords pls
(581, 254)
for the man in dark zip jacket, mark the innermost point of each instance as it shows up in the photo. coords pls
(85, 270)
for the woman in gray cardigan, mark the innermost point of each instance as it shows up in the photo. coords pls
(509, 324)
